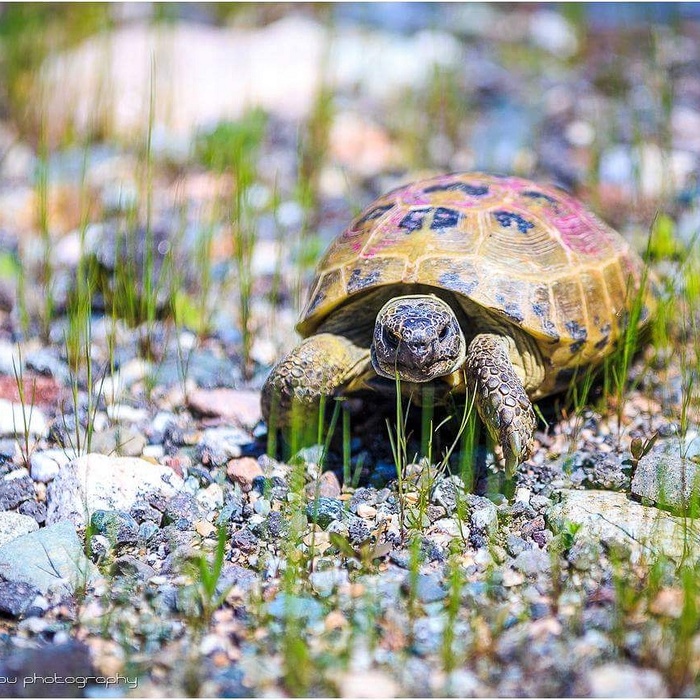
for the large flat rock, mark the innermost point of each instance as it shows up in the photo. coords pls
(49, 559)
(625, 526)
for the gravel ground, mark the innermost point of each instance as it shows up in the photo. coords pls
(149, 541)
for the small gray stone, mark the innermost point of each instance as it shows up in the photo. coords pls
(515, 545)
(183, 507)
(584, 553)
(483, 515)
(235, 575)
(324, 511)
(286, 606)
(44, 466)
(119, 440)
(33, 509)
(325, 582)
(147, 529)
(116, 525)
(133, 568)
(16, 597)
(245, 540)
(446, 492)
(262, 506)
(49, 559)
(219, 445)
(429, 588)
(358, 530)
(532, 562)
(665, 478)
(15, 488)
(45, 362)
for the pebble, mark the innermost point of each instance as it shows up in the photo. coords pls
(286, 606)
(325, 510)
(97, 482)
(19, 420)
(532, 562)
(584, 553)
(665, 478)
(122, 413)
(366, 511)
(326, 485)
(14, 525)
(243, 471)
(446, 491)
(483, 515)
(218, 445)
(326, 582)
(119, 527)
(240, 407)
(619, 680)
(15, 488)
(16, 597)
(45, 465)
(47, 364)
(429, 588)
(368, 684)
(668, 602)
(117, 440)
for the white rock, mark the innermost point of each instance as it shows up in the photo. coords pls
(625, 525)
(616, 680)
(9, 358)
(44, 466)
(203, 75)
(93, 482)
(126, 414)
(14, 525)
(553, 33)
(368, 684)
(16, 420)
(211, 497)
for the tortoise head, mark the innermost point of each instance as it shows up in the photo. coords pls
(417, 337)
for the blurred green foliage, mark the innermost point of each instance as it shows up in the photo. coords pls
(29, 30)
(223, 148)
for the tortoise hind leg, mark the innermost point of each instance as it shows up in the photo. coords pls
(501, 399)
(320, 365)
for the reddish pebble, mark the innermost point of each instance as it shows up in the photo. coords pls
(242, 471)
(236, 405)
(327, 485)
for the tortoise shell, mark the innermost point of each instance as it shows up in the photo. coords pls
(529, 253)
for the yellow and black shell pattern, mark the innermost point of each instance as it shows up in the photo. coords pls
(527, 252)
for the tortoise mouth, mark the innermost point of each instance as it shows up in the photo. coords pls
(418, 374)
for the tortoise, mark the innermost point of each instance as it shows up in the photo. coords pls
(470, 282)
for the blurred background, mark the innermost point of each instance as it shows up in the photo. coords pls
(192, 160)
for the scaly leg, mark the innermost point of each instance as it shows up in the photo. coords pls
(319, 366)
(500, 398)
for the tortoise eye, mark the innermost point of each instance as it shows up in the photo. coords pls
(444, 333)
(390, 338)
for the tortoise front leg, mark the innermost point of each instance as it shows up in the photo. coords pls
(501, 399)
(319, 366)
